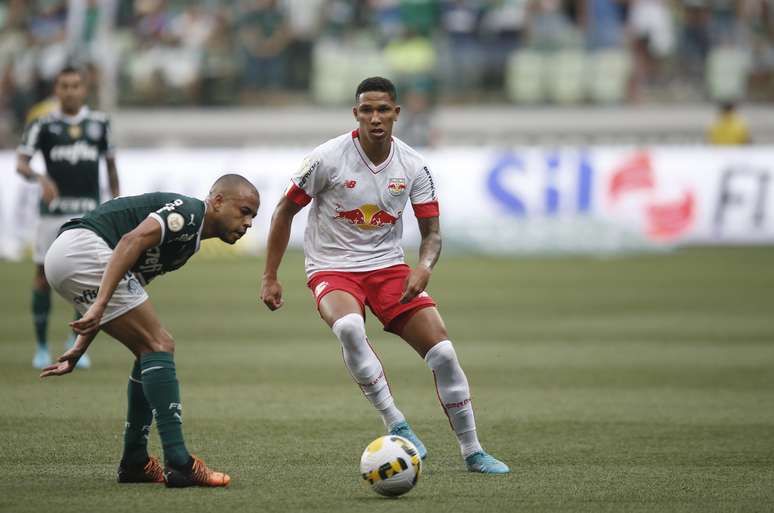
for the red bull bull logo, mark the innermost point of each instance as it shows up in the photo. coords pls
(367, 217)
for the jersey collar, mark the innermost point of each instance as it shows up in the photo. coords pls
(72, 120)
(374, 168)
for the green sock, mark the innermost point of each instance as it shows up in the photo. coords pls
(139, 417)
(41, 306)
(159, 382)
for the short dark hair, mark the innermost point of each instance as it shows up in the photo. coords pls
(376, 84)
(68, 70)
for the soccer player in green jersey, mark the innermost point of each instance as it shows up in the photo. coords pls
(100, 263)
(72, 139)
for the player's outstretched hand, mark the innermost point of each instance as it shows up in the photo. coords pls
(65, 363)
(271, 293)
(416, 282)
(89, 323)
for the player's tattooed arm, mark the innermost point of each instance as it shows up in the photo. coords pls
(277, 243)
(429, 251)
(126, 253)
(49, 190)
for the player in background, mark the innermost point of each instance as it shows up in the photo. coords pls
(72, 139)
(100, 263)
(358, 184)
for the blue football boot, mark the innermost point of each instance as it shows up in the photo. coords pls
(485, 463)
(403, 429)
(42, 358)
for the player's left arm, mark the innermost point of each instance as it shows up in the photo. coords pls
(109, 150)
(112, 172)
(429, 251)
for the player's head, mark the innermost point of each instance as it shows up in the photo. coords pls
(375, 108)
(70, 89)
(231, 205)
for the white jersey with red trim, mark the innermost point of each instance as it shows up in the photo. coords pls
(355, 218)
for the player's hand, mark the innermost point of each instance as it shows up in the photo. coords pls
(271, 293)
(89, 323)
(65, 363)
(415, 283)
(48, 189)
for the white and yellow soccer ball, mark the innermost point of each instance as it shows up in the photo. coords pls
(390, 465)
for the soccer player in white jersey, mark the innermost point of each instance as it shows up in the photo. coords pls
(358, 185)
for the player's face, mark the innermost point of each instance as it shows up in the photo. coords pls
(235, 215)
(376, 112)
(70, 92)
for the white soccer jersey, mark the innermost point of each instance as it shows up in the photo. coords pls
(355, 219)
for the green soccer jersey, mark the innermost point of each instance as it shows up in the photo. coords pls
(181, 218)
(71, 147)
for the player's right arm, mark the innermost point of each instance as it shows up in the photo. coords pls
(277, 243)
(48, 189)
(128, 250)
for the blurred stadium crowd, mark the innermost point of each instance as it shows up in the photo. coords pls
(277, 52)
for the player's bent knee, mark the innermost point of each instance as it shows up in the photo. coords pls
(349, 329)
(440, 355)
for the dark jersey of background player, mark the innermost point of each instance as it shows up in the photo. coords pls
(71, 147)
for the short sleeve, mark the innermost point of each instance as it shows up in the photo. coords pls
(424, 199)
(31, 139)
(307, 182)
(180, 220)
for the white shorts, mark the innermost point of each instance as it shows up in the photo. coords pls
(74, 266)
(48, 227)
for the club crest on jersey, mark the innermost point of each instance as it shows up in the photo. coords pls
(74, 131)
(396, 186)
(94, 130)
(175, 222)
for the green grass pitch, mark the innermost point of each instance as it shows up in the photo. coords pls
(624, 384)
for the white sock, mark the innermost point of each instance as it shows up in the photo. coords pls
(453, 389)
(365, 367)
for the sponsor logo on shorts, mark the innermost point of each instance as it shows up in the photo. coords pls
(133, 285)
(86, 297)
(319, 288)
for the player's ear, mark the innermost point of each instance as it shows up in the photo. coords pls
(397, 112)
(217, 201)
(354, 111)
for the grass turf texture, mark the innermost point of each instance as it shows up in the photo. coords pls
(634, 384)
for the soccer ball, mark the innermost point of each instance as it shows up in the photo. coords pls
(390, 465)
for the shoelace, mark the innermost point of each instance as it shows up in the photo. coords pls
(154, 469)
